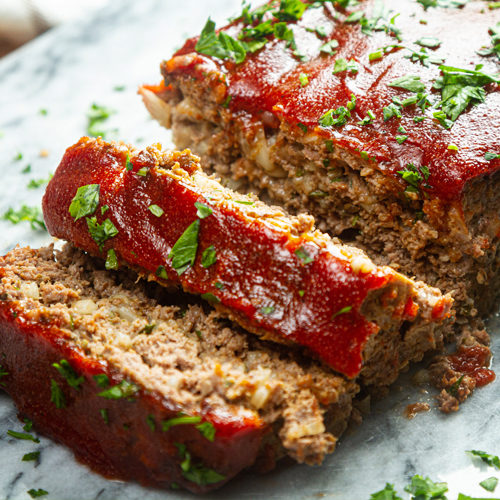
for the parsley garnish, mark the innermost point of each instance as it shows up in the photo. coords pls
(489, 484)
(123, 390)
(128, 164)
(26, 169)
(304, 255)
(3, 373)
(221, 46)
(426, 489)
(495, 40)
(85, 201)
(388, 493)
(33, 215)
(455, 4)
(210, 297)
(344, 310)
(342, 64)
(391, 110)
(401, 138)
(180, 420)
(202, 210)
(429, 41)
(96, 117)
(290, 10)
(102, 380)
(156, 210)
(183, 253)
(266, 310)
(104, 415)
(303, 79)
(37, 493)
(370, 116)
(28, 457)
(57, 395)
(491, 460)
(101, 232)
(461, 87)
(150, 420)
(342, 114)
(197, 473)
(414, 176)
(207, 430)
(209, 256)
(329, 47)
(408, 82)
(66, 371)
(148, 328)
(143, 171)
(161, 272)
(36, 183)
(23, 435)
(491, 156)
(111, 260)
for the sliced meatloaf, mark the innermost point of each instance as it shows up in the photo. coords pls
(272, 273)
(150, 387)
(382, 119)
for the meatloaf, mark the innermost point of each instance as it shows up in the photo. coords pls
(152, 387)
(272, 273)
(382, 119)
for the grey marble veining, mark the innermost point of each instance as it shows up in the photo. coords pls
(64, 72)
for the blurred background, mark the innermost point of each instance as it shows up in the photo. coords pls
(23, 20)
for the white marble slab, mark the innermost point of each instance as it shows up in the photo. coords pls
(66, 71)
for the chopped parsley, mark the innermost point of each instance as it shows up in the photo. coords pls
(391, 110)
(344, 310)
(221, 45)
(375, 56)
(67, 372)
(401, 138)
(202, 210)
(429, 41)
(302, 293)
(183, 253)
(26, 169)
(461, 87)
(207, 430)
(304, 255)
(28, 457)
(23, 435)
(104, 415)
(18, 157)
(209, 257)
(37, 493)
(266, 310)
(104, 209)
(111, 260)
(3, 373)
(148, 328)
(455, 4)
(102, 380)
(36, 183)
(85, 201)
(342, 64)
(495, 40)
(101, 232)
(150, 420)
(96, 118)
(329, 47)
(156, 210)
(338, 117)
(388, 493)
(180, 420)
(219, 285)
(491, 460)
(290, 10)
(408, 82)
(491, 156)
(57, 395)
(142, 171)
(196, 473)
(302, 127)
(33, 215)
(123, 390)
(128, 164)
(452, 147)
(489, 484)
(423, 57)
(210, 297)
(370, 116)
(303, 79)
(426, 489)
(414, 176)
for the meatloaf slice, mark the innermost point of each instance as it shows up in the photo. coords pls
(272, 273)
(359, 116)
(166, 394)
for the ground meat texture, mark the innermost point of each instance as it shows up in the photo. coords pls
(274, 274)
(447, 234)
(188, 399)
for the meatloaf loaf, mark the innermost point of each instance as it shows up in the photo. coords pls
(272, 273)
(382, 119)
(158, 390)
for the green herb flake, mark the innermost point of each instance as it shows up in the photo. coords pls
(266, 310)
(452, 147)
(23, 435)
(491, 460)
(123, 390)
(57, 395)
(207, 430)
(342, 64)
(318, 193)
(210, 297)
(101, 232)
(219, 285)
(335, 117)
(104, 415)
(111, 260)
(227, 101)
(102, 380)
(36, 183)
(426, 489)
(329, 146)
(104, 209)
(414, 176)
(142, 172)
(161, 272)
(370, 116)
(302, 293)
(491, 156)
(67, 372)
(32, 456)
(43, 112)
(392, 110)
(179, 420)
(202, 211)
(354, 17)
(196, 473)
(303, 255)
(244, 202)
(199, 334)
(156, 210)
(344, 310)
(128, 164)
(329, 47)
(37, 493)
(430, 42)
(150, 420)
(3, 373)
(209, 257)
(221, 45)
(419, 119)
(183, 253)
(302, 127)
(85, 201)
(28, 424)
(33, 215)
(96, 117)
(18, 157)
(388, 493)
(401, 138)
(147, 329)
(489, 484)
(26, 169)
(375, 56)
(303, 79)
(290, 10)
(408, 82)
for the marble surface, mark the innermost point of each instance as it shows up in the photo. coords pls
(64, 72)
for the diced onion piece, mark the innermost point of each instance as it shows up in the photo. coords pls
(84, 306)
(30, 290)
